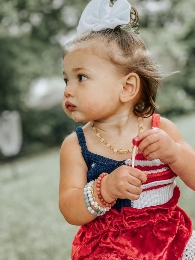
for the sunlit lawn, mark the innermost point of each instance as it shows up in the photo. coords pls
(31, 226)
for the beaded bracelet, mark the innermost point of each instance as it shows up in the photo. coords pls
(98, 188)
(87, 201)
(90, 201)
(95, 204)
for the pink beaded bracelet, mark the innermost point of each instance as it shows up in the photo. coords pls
(98, 189)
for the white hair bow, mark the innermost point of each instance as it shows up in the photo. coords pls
(99, 15)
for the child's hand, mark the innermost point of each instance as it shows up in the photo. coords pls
(124, 183)
(157, 144)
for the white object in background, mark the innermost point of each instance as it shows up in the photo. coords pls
(46, 93)
(10, 133)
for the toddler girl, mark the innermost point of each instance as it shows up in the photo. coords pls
(126, 204)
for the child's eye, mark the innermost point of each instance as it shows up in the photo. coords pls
(82, 78)
(66, 81)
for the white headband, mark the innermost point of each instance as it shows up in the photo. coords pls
(99, 15)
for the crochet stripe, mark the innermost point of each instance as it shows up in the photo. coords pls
(154, 197)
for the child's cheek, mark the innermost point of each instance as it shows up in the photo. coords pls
(90, 108)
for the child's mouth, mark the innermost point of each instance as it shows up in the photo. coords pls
(70, 106)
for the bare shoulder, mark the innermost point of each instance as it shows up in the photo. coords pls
(69, 144)
(170, 128)
(70, 151)
(73, 168)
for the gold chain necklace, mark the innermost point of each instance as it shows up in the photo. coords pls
(115, 150)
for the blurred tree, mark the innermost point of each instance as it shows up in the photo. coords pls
(30, 34)
(167, 27)
(31, 39)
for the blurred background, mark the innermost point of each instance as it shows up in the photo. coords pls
(33, 125)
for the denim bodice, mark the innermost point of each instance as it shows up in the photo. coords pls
(97, 164)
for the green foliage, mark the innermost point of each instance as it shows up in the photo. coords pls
(10, 94)
(46, 127)
(169, 34)
(29, 32)
(23, 60)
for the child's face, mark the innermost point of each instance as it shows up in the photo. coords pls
(93, 87)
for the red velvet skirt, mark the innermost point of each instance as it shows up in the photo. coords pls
(155, 233)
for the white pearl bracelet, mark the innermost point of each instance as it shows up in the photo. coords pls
(90, 201)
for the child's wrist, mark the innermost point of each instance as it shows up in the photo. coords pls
(104, 192)
(177, 156)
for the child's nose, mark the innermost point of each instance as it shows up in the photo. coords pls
(69, 91)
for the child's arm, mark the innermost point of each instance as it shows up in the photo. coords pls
(125, 183)
(72, 181)
(168, 145)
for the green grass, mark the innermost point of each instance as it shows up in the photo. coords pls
(31, 225)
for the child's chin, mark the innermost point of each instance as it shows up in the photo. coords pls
(76, 117)
(80, 120)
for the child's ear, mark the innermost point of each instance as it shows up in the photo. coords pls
(131, 87)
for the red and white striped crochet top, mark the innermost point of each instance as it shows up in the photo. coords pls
(160, 179)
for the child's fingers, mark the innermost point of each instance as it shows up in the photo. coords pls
(140, 175)
(152, 155)
(150, 149)
(145, 135)
(134, 181)
(133, 193)
(149, 138)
